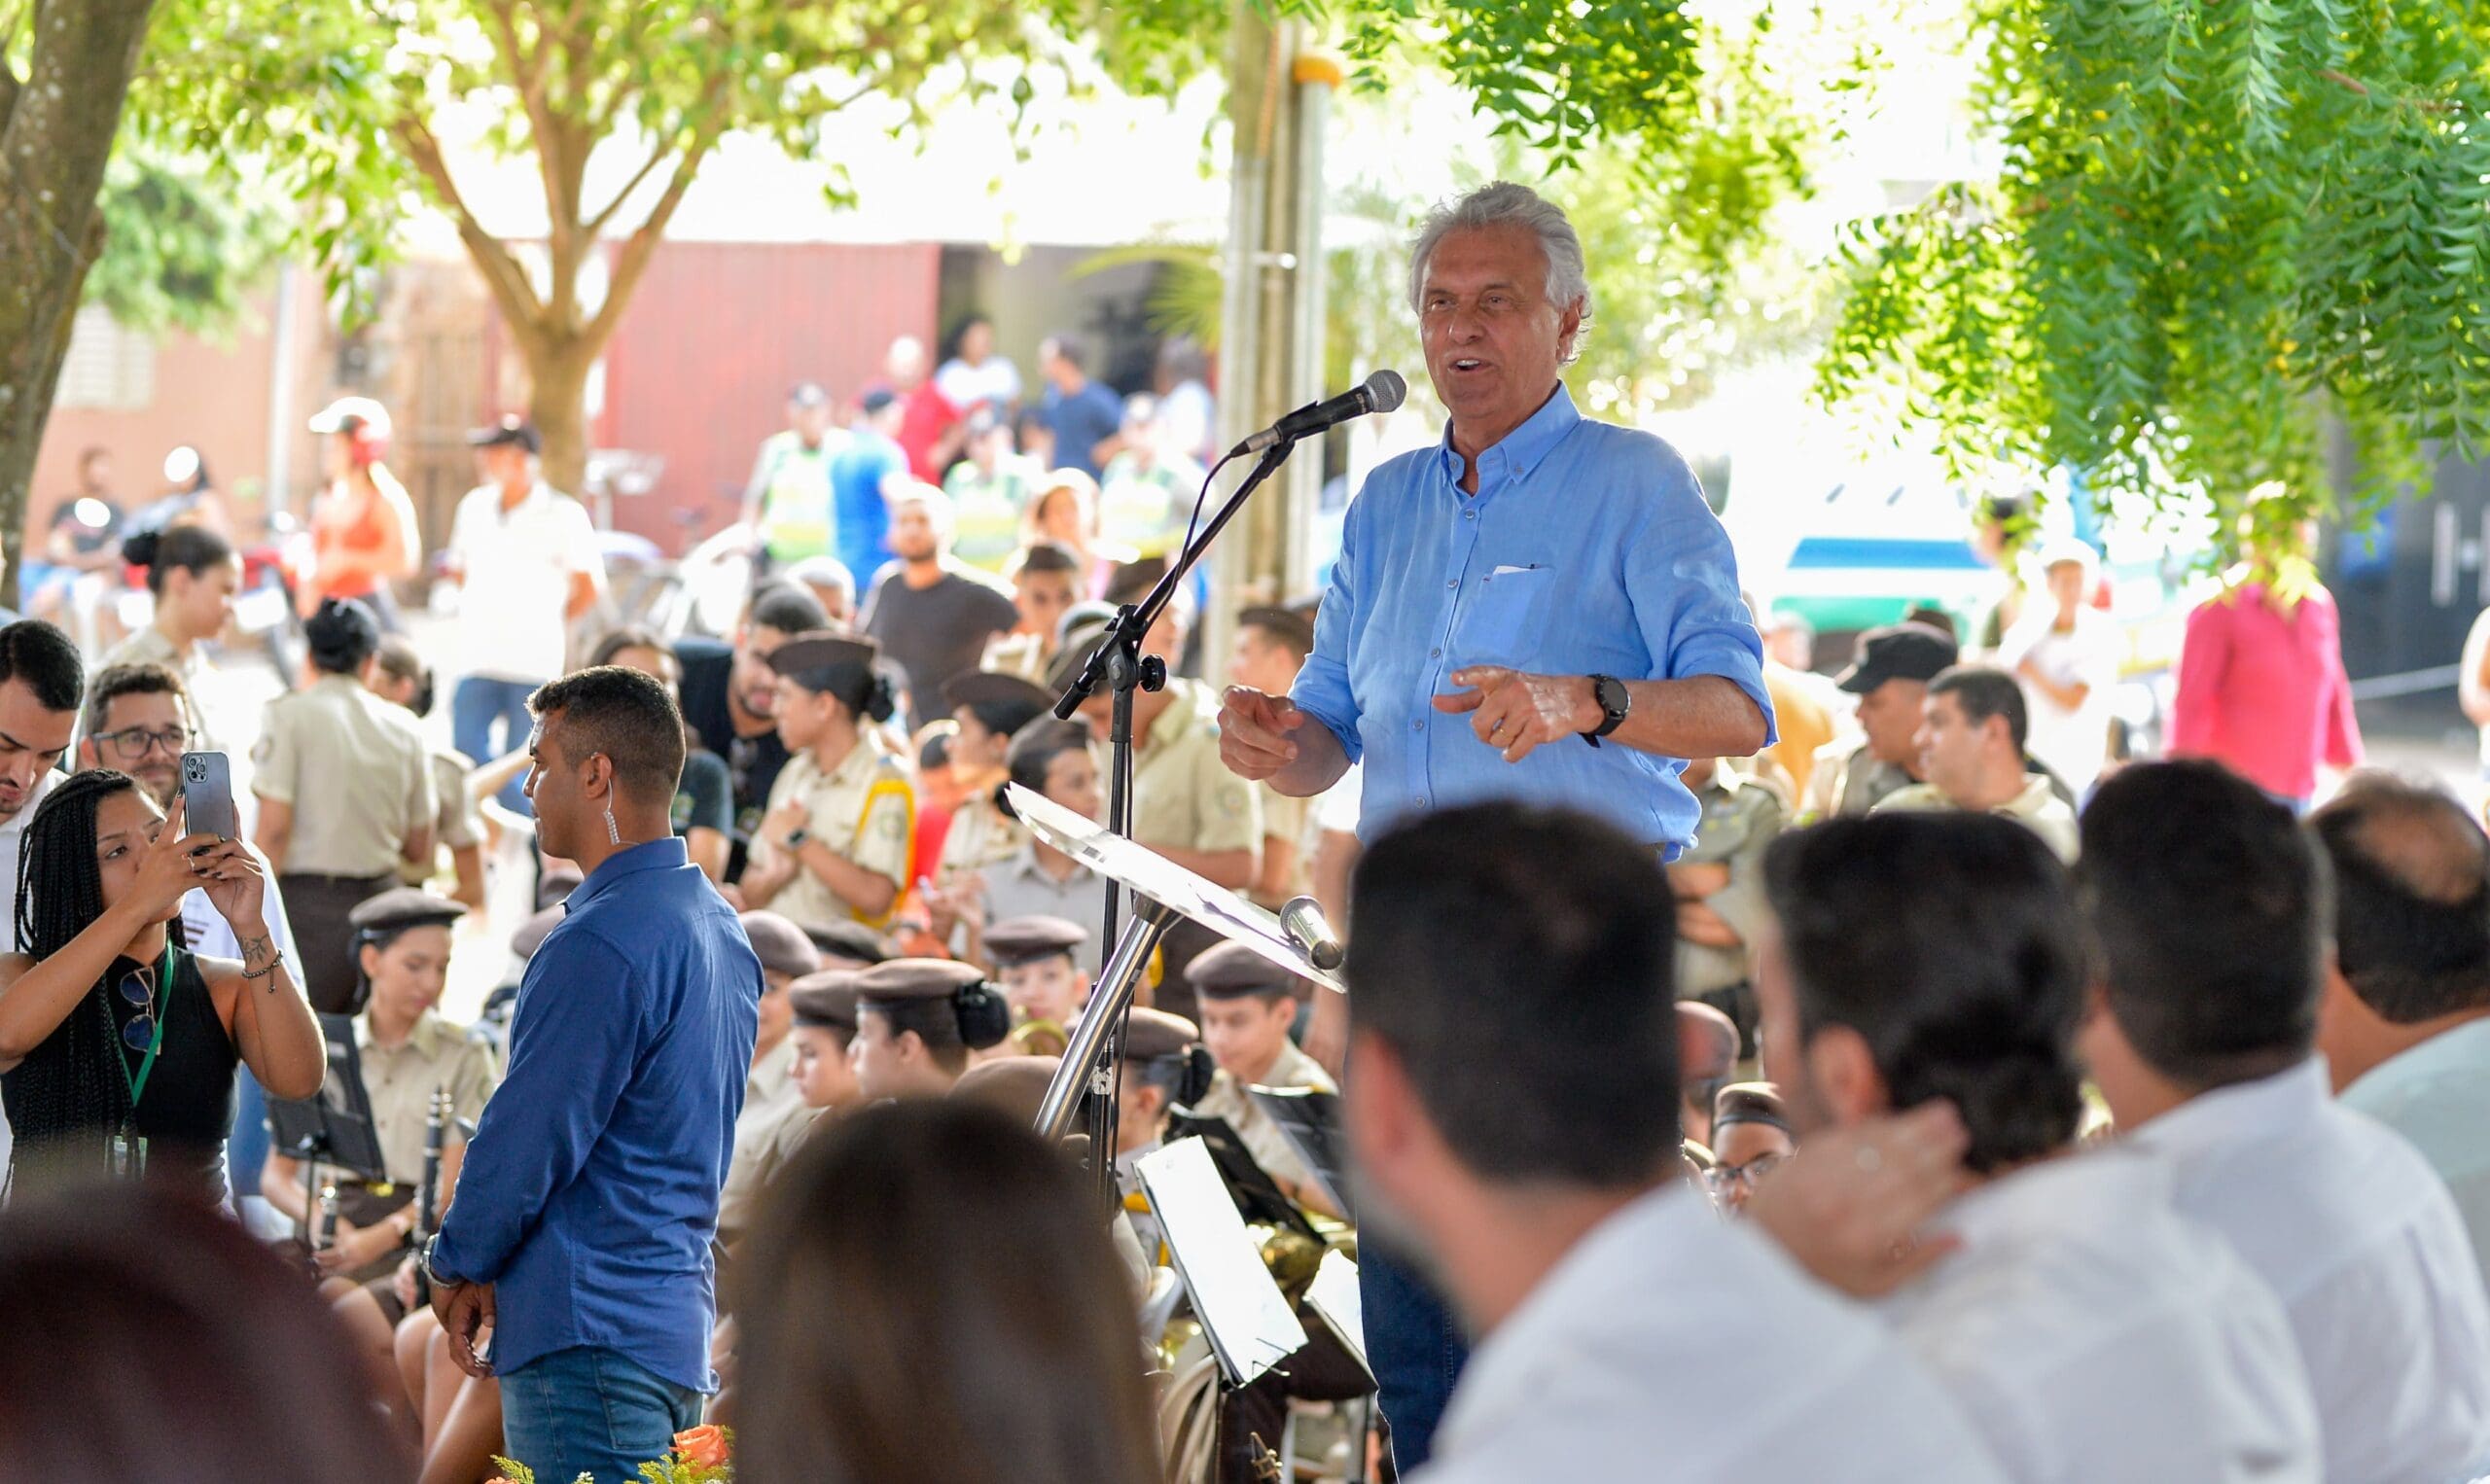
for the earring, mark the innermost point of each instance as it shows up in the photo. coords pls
(613, 831)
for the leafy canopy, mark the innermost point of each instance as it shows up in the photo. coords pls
(2218, 223)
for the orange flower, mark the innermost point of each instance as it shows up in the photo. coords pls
(704, 1446)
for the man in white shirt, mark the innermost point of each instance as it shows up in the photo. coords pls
(2210, 909)
(2066, 654)
(1970, 750)
(2089, 1331)
(1624, 1330)
(526, 562)
(2405, 1021)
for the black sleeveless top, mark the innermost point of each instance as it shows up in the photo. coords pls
(188, 1106)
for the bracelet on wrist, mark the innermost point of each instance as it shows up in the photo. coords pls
(275, 962)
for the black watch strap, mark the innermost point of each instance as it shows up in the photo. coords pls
(1615, 700)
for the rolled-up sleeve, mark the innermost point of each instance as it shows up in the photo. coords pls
(1682, 577)
(561, 1092)
(1323, 691)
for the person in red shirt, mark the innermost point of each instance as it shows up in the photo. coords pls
(931, 429)
(2261, 686)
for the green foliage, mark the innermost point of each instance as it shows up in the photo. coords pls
(179, 253)
(2220, 229)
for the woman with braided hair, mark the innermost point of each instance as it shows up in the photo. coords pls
(117, 1046)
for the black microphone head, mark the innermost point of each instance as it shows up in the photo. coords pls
(1386, 391)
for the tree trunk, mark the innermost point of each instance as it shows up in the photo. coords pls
(57, 130)
(557, 403)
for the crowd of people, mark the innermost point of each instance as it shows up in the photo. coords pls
(1772, 1075)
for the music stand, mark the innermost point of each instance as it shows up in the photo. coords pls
(1258, 1197)
(337, 1128)
(1251, 1324)
(1163, 891)
(1309, 1118)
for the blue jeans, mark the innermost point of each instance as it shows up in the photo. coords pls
(592, 1411)
(479, 702)
(246, 1149)
(1414, 1346)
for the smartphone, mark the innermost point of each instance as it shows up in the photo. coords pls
(208, 796)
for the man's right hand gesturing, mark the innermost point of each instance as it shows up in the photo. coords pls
(1255, 730)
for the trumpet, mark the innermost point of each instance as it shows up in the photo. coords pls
(1038, 1038)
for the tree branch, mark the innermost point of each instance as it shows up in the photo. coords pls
(527, 69)
(597, 225)
(2355, 84)
(633, 260)
(502, 272)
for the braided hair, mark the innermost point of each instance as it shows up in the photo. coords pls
(67, 1097)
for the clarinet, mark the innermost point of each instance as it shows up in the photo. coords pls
(428, 1196)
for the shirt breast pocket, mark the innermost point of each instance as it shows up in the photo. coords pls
(1502, 621)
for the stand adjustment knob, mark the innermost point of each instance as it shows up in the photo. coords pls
(1154, 674)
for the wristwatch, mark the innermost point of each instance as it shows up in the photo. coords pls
(433, 1275)
(797, 836)
(1614, 701)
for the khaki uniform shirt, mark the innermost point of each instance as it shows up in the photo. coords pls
(771, 1102)
(401, 1081)
(1849, 780)
(981, 836)
(1740, 819)
(356, 768)
(2037, 807)
(863, 810)
(1183, 796)
(1023, 656)
(1259, 1132)
(457, 825)
(1291, 820)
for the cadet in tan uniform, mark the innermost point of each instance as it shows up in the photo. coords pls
(916, 1022)
(399, 675)
(1248, 1002)
(1037, 961)
(1271, 645)
(407, 1053)
(771, 1097)
(839, 840)
(989, 710)
(365, 782)
(1718, 885)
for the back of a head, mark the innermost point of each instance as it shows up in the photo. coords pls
(2210, 908)
(2411, 874)
(629, 717)
(1534, 942)
(155, 1340)
(342, 636)
(902, 1344)
(1983, 691)
(1951, 944)
(787, 608)
(42, 658)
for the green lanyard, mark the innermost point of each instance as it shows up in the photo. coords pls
(164, 1003)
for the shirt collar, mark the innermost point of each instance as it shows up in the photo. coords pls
(2462, 1048)
(655, 855)
(2079, 1191)
(1514, 455)
(425, 1038)
(2241, 1112)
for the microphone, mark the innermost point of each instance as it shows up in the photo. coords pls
(1301, 919)
(1379, 393)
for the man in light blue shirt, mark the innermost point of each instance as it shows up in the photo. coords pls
(1541, 609)
(589, 1196)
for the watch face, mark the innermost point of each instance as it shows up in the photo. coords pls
(1612, 694)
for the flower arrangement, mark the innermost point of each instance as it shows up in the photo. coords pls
(703, 1454)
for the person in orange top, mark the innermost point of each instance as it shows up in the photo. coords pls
(363, 524)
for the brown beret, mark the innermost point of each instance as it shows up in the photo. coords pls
(1231, 971)
(827, 998)
(822, 660)
(1019, 941)
(1154, 1034)
(1013, 1084)
(850, 940)
(904, 981)
(1002, 703)
(780, 944)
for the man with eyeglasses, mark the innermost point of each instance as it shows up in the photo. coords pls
(138, 720)
(1750, 1136)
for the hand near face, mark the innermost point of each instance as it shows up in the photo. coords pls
(1848, 1206)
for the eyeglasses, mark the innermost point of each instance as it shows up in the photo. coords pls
(137, 989)
(131, 743)
(1720, 1176)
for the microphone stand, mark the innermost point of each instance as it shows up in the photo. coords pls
(1119, 664)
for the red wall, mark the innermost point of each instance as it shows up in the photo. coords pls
(700, 368)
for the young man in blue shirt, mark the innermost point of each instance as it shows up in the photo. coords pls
(589, 1196)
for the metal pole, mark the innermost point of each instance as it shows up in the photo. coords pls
(1083, 1059)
